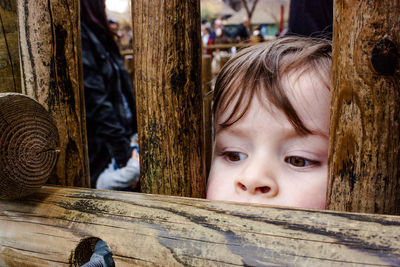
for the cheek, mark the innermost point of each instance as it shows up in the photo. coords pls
(214, 186)
(309, 193)
(315, 200)
(219, 186)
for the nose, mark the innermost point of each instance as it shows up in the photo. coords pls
(259, 182)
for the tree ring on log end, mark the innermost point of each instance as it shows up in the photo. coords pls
(92, 249)
(28, 145)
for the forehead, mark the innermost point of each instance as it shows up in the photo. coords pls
(306, 91)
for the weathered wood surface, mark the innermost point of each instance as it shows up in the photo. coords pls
(28, 145)
(10, 74)
(154, 230)
(167, 79)
(52, 74)
(365, 128)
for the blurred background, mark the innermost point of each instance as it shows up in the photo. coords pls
(222, 20)
(226, 26)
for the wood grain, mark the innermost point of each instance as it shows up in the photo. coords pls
(365, 127)
(153, 230)
(167, 81)
(51, 65)
(10, 74)
(28, 145)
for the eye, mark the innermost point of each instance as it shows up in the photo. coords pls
(300, 162)
(234, 156)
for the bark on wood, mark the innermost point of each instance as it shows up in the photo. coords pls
(10, 74)
(167, 81)
(365, 127)
(152, 230)
(28, 145)
(206, 79)
(52, 74)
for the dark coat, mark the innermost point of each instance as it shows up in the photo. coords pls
(109, 101)
(311, 18)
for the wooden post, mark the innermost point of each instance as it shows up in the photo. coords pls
(365, 127)
(206, 79)
(52, 74)
(10, 74)
(167, 79)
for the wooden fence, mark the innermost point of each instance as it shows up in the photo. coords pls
(46, 228)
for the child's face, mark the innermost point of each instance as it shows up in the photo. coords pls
(262, 159)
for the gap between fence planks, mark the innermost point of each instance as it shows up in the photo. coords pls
(149, 230)
(206, 81)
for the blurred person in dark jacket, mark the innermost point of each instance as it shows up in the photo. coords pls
(109, 98)
(311, 18)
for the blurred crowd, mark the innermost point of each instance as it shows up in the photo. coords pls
(215, 32)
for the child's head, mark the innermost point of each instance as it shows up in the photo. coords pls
(271, 116)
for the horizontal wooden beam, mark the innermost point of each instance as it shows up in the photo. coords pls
(145, 230)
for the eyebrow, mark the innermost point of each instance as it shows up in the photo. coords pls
(232, 130)
(290, 133)
(319, 133)
(314, 132)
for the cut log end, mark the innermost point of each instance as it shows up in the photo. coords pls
(28, 145)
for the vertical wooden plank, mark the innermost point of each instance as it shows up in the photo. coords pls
(52, 74)
(167, 78)
(365, 128)
(10, 74)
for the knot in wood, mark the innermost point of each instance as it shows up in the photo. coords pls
(28, 145)
(385, 57)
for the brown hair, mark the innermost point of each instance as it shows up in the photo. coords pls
(260, 68)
